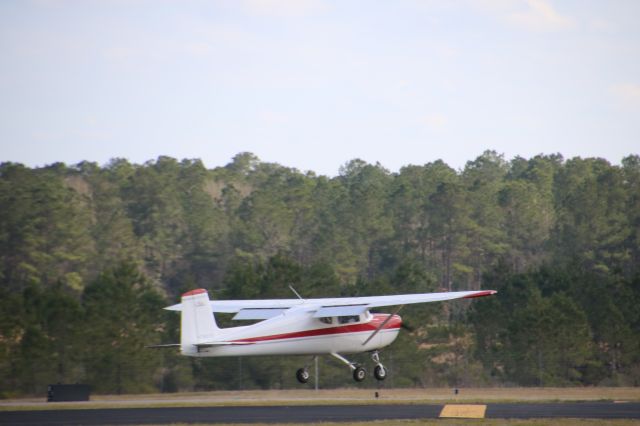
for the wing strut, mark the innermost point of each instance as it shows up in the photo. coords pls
(381, 326)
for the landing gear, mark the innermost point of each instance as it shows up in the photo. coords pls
(302, 375)
(359, 374)
(379, 372)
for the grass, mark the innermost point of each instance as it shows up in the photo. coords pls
(449, 422)
(330, 397)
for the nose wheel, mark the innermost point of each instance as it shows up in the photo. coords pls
(379, 372)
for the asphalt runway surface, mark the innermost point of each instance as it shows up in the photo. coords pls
(308, 414)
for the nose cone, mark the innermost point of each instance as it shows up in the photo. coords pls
(390, 321)
(395, 321)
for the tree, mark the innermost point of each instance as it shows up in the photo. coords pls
(558, 239)
(530, 338)
(123, 315)
(592, 225)
(44, 234)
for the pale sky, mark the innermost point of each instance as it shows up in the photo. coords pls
(312, 84)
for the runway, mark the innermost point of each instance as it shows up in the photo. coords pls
(308, 414)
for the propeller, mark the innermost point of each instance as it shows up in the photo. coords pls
(381, 326)
(407, 327)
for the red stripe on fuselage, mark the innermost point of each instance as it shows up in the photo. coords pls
(394, 323)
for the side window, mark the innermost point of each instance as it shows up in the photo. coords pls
(326, 320)
(348, 319)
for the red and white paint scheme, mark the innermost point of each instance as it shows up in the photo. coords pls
(330, 326)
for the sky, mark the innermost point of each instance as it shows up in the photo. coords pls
(312, 84)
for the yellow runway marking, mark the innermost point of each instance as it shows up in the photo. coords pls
(464, 411)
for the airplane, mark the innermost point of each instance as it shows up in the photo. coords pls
(323, 326)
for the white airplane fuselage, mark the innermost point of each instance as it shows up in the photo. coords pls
(298, 333)
(322, 326)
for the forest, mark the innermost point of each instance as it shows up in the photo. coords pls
(90, 254)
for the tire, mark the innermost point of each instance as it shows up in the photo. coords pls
(359, 374)
(302, 375)
(380, 372)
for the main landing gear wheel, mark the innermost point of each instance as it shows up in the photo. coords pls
(380, 372)
(359, 374)
(302, 375)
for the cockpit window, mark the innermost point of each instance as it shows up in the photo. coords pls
(348, 319)
(326, 320)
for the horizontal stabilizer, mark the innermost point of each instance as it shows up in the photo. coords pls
(169, 345)
(212, 344)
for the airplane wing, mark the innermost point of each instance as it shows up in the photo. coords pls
(357, 305)
(328, 307)
(408, 299)
(231, 306)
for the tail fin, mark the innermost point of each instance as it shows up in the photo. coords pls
(197, 322)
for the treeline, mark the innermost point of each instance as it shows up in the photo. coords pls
(90, 254)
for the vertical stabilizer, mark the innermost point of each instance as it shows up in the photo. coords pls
(197, 322)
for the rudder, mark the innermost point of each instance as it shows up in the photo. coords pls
(197, 323)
